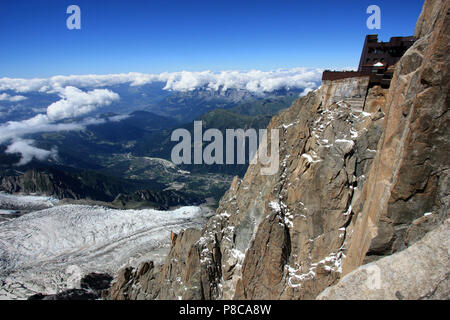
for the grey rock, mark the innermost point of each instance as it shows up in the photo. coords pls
(418, 272)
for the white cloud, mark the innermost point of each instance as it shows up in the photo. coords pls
(254, 80)
(119, 118)
(75, 102)
(12, 130)
(7, 97)
(306, 91)
(28, 151)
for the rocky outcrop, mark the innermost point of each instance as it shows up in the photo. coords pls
(161, 200)
(148, 281)
(282, 236)
(99, 189)
(419, 272)
(62, 184)
(361, 169)
(91, 287)
(35, 181)
(409, 176)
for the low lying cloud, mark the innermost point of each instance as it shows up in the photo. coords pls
(118, 118)
(254, 81)
(306, 91)
(75, 102)
(13, 132)
(7, 97)
(82, 94)
(28, 151)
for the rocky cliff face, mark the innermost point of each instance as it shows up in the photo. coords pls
(54, 183)
(409, 176)
(419, 272)
(359, 168)
(104, 190)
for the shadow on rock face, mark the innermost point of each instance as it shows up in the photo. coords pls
(91, 285)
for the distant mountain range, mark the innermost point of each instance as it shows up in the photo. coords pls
(184, 106)
(131, 146)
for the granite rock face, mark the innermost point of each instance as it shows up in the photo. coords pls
(148, 281)
(419, 272)
(282, 236)
(363, 174)
(409, 177)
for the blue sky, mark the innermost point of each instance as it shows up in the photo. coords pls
(154, 36)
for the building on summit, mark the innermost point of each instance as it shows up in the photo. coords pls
(377, 61)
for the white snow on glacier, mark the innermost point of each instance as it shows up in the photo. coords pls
(26, 201)
(50, 250)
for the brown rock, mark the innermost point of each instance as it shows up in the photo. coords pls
(409, 176)
(173, 237)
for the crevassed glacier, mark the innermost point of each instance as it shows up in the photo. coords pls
(49, 250)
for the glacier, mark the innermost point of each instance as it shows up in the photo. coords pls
(50, 250)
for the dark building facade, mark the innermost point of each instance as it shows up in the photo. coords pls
(387, 53)
(377, 60)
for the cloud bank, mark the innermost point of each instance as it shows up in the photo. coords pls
(73, 103)
(254, 81)
(82, 94)
(13, 132)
